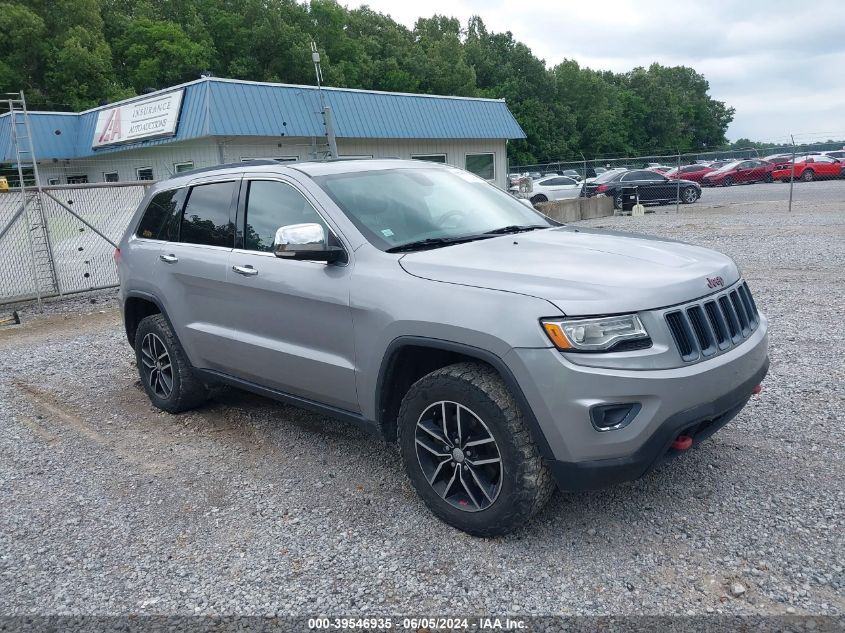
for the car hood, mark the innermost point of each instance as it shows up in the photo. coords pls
(581, 271)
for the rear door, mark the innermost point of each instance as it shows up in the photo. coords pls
(192, 270)
(293, 317)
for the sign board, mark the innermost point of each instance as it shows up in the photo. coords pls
(155, 117)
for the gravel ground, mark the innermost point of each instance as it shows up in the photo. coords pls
(252, 507)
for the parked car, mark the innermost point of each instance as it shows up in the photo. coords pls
(689, 172)
(838, 154)
(809, 168)
(502, 351)
(554, 188)
(739, 172)
(572, 174)
(660, 169)
(535, 175)
(652, 188)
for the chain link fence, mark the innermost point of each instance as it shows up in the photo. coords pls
(76, 253)
(812, 173)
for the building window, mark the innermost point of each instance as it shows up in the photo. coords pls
(110, 176)
(77, 180)
(144, 173)
(481, 165)
(431, 158)
(52, 182)
(281, 159)
(188, 165)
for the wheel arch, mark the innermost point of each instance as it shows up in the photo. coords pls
(409, 358)
(136, 307)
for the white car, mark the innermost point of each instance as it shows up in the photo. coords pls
(551, 188)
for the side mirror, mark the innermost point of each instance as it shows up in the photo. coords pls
(305, 242)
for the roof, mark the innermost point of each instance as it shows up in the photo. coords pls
(213, 106)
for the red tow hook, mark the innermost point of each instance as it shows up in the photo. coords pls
(756, 390)
(682, 443)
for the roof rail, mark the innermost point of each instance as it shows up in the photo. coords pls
(247, 163)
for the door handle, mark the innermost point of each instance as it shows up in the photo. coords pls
(247, 271)
(168, 259)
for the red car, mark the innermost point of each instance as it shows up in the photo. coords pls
(739, 172)
(809, 168)
(689, 172)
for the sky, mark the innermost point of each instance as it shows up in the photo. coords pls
(781, 64)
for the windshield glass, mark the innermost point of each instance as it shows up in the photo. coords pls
(729, 166)
(393, 207)
(608, 176)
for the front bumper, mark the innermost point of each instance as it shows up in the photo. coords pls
(693, 400)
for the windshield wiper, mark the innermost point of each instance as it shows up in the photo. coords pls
(433, 242)
(516, 228)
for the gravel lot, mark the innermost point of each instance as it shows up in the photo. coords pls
(249, 506)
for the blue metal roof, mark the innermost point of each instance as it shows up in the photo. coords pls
(226, 107)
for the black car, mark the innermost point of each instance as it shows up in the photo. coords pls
(652, 188)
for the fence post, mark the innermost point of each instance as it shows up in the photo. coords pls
(678, 184)
(791, 173)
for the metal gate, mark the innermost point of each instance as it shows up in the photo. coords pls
(59, 240)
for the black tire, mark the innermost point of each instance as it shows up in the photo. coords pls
(617, 201)
(728, 181)
(524, 483)
(539, 198)
(769, 178)
(185, 391)
(689, 195)
(808, 176)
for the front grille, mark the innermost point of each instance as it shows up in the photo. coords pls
(715, 324)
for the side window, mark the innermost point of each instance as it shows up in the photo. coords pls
(161, 216)
(271, 204)
(634, 175)
(206, 218)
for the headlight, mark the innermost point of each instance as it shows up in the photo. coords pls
(594, 335)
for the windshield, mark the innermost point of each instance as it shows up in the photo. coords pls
(393, 207)
(729, 166)
(608, 176)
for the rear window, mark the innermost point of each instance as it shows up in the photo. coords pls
(161, 217)
(206, 219)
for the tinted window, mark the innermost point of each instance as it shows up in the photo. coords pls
(206, 217)
(270, 205)
(159, 219)
(634, 175)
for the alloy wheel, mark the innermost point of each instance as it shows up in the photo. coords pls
(157, 368)
(458, 456)
(690, 195)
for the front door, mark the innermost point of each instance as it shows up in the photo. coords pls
(294, 319)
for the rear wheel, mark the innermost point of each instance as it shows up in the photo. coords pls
(689, 195)
(808, 175)
(617, 201)
(166, 374)
(468, 452)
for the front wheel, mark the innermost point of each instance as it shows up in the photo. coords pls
(689, 195)
(769, 178)
(727, 182)
(468, 452)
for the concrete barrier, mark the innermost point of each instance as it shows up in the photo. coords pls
(577, 208)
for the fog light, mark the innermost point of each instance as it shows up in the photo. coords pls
(611, 417)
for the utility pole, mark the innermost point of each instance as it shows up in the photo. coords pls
(328, 122)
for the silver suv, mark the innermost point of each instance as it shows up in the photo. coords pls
(503, 351)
